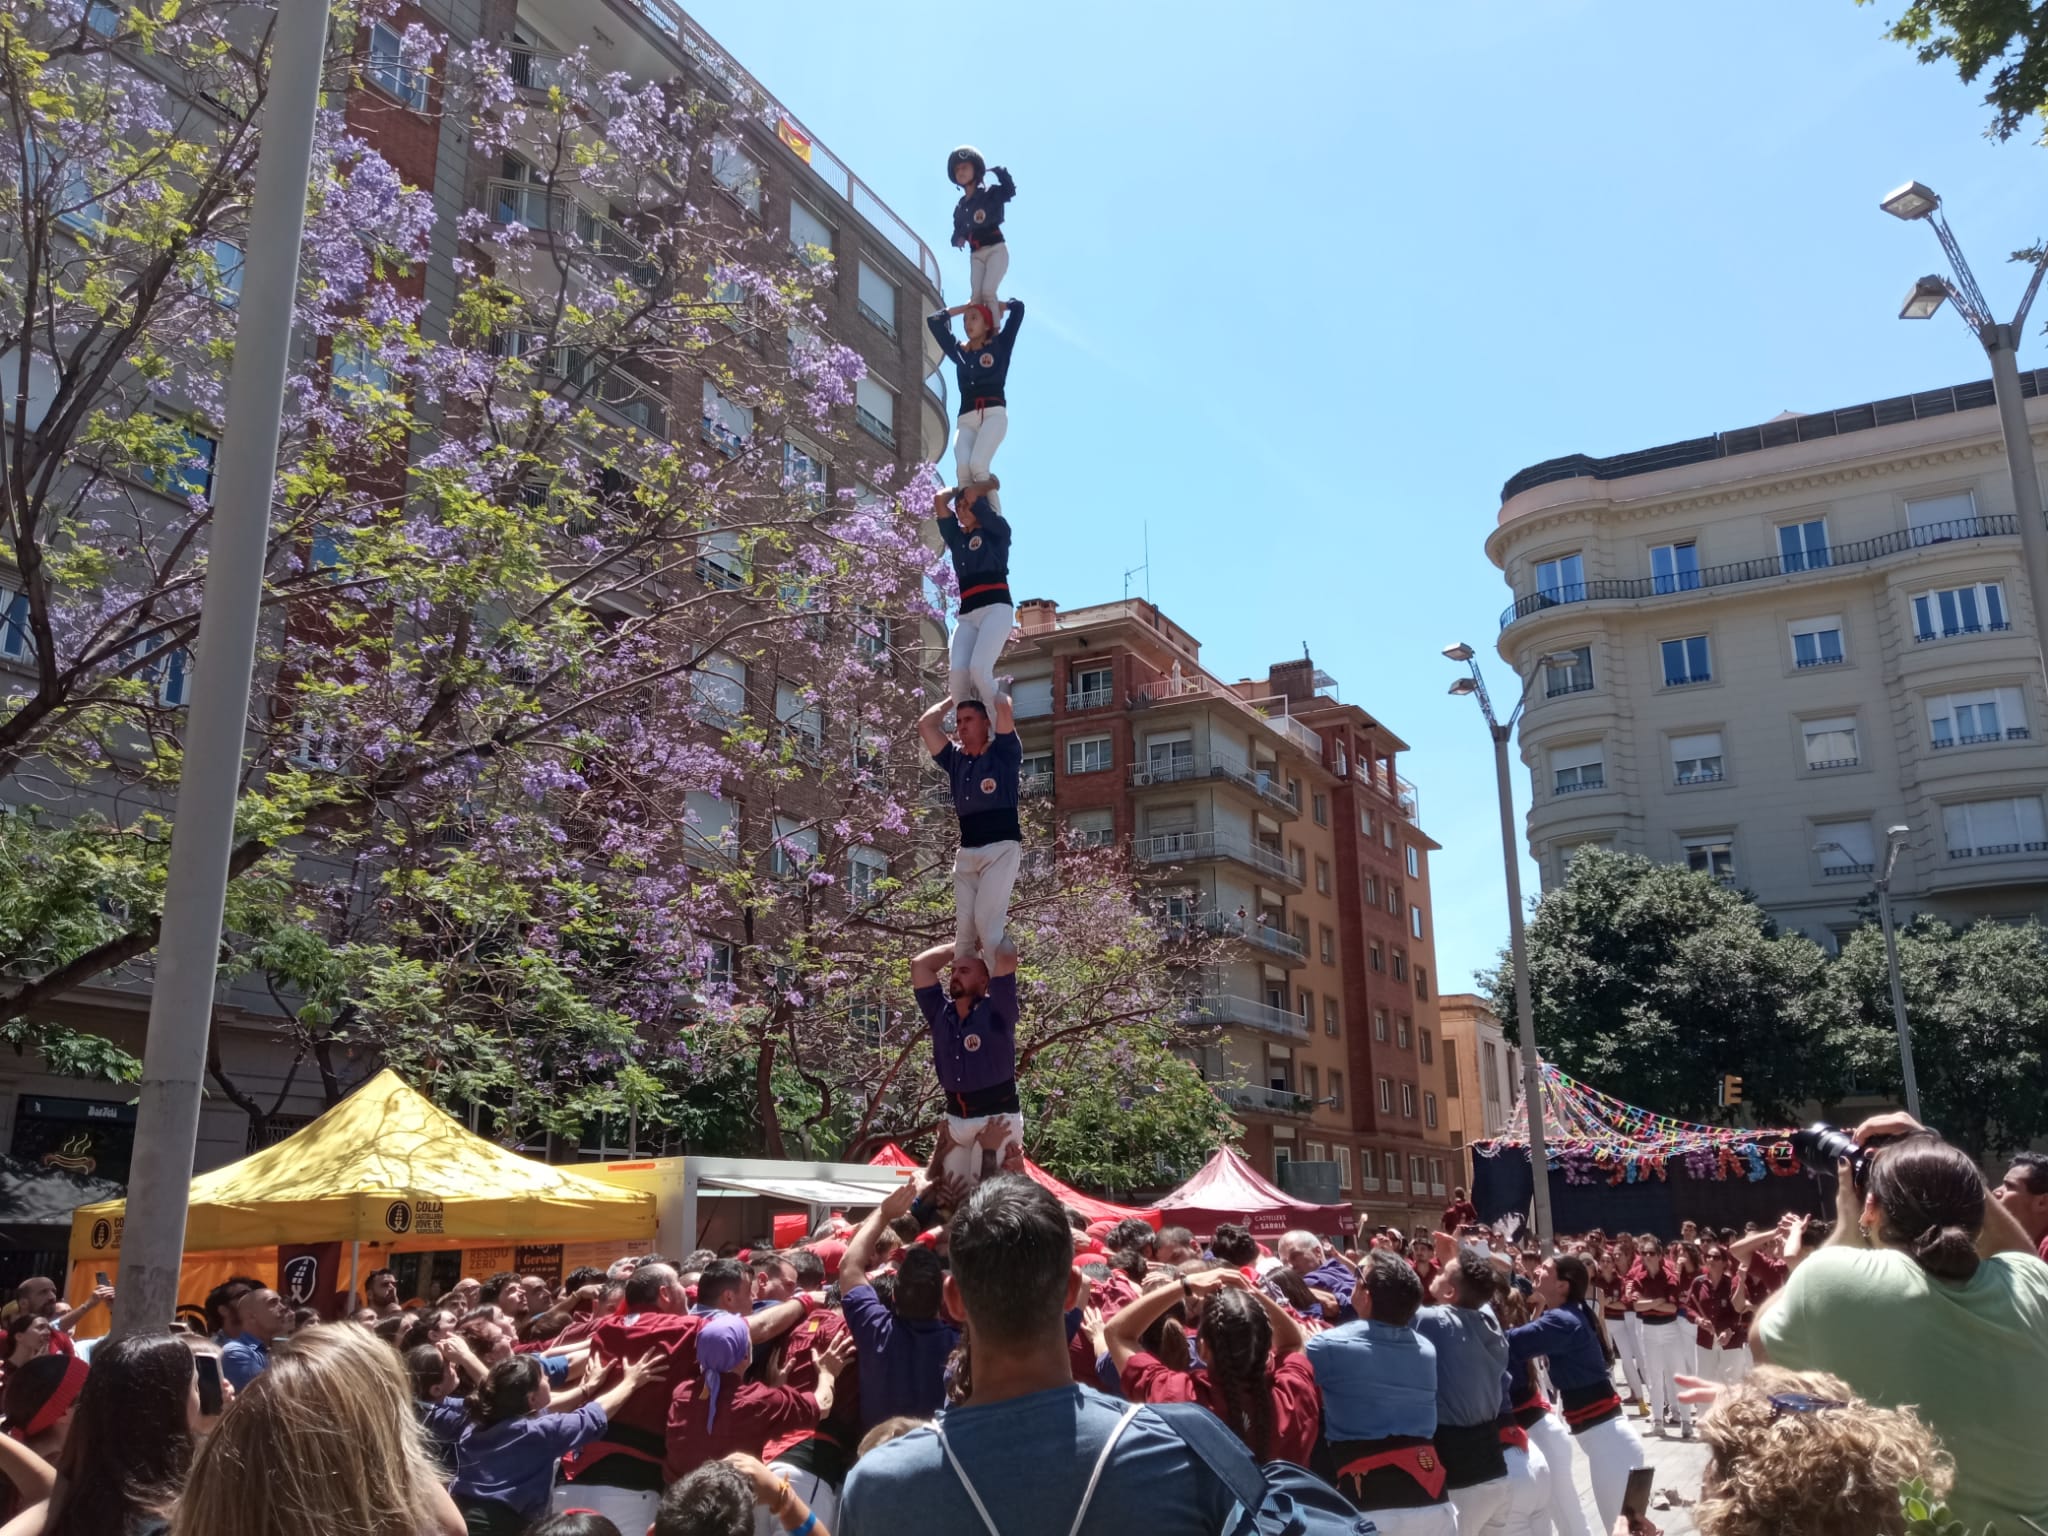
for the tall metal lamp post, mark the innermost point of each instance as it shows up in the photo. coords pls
(1895, 840)
(1915, 201)
(1532, 1078)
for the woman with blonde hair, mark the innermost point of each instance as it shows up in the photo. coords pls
(1798, 1451)
(323, 1440)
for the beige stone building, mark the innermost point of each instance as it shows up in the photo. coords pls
(1482, 1075)
(1756, 652)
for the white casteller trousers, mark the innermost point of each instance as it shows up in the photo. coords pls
(1480, 1506)
(988, 267)
(1527, 1511)
(978, 638)
(1429, 1520)
(982, 881)
(1612, 1450)
(1627, 1333)
(976, 437)
(1665, 1356)
(1567, 1511)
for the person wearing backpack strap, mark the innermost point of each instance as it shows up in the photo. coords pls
(1031, 1453)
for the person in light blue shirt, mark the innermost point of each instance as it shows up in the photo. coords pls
(263, 1316)
(1471, 1354)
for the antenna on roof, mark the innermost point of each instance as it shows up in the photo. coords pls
(1146, 569)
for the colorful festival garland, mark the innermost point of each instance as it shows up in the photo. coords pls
(1594, 1138)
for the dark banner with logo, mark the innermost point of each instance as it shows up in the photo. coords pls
(312, 1275)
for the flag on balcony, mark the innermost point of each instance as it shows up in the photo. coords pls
(798, 142)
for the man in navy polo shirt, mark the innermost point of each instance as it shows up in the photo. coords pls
(974, 1044)
(982, 765)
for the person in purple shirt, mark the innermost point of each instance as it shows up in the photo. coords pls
(974, 1045)
(902, 1351)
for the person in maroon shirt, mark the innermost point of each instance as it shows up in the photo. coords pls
(1257, 1379)
(1654, 1294)
(1460, 1212)
(713, 1412)
(1720, 1307)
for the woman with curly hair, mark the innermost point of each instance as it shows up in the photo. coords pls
(1798, 1451)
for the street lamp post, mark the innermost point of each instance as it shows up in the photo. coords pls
(1895, 840)
(2001, 344)
(1502, 732)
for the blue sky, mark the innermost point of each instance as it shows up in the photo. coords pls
(1308, 283)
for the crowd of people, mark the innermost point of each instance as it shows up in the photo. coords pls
(1014, 1368)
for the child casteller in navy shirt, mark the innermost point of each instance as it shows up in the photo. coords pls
(978, 220)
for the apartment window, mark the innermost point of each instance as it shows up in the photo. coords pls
(1415, 922)
(722, 560)
(877, 299)
(1422, 983)
(866, 869)
(727, 424)
(1976, 718)
(1386, 1095)
(389, 72)
(1322, 877)
(1436, 1175)
(1402, 1028)
(1845, 848)
(1330, 1024)
(710, 828)
(1317, 1152)
(1696, 759)
(1282, 1156)
(1394, 1171)
(1336, 1090)
(874, 407)
(1379, 1025)
(733, 169)
(1343, 1167)
(1710, 856)
(1400, 965)
(1414, 862)
(1320, 803)
(192, 474)
(167, 673)
(1831, 743)
(1294, 792)
(1091, 688)
(227, 272)
(1950, 611)
(795, 849)
(1489, 1074)
(1092, 829)
(1089, 754)
(1327, 944)
(1574, 770)
(1575, 677)
(804, 473)
(1170, 757)
(1377, 957)
(809, 236)
(1936, 519)
(1429, 1110)
(1368, 1169)
(1034, 771)
(1686, 661)
(1170, 829)
(1979, 829)
(1562, 580)
(1365, 823)
(1418, 1170)
(1394, 902)
(1372, 891)
(1427, 1049)
(356, 368)
(720, 687)
(17, 641)
(800, 718)
(1309, 1091)
(1675, 567)
(1386, 832)
(872, 633)
(719, 961)
(1817, 642)
(1407, 1101)
(1803, 546)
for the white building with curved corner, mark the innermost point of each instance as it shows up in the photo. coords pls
(1788, 639)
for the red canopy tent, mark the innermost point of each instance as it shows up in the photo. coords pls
(893, 1156)
(1227, 1188)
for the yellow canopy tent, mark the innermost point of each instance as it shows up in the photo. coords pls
(383, 1167)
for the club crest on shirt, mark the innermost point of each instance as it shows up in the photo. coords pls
(970, 1043)
(981, 215)
(975, 542)
(988, 786)
(988, 359)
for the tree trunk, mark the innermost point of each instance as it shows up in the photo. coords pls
(764, 1100)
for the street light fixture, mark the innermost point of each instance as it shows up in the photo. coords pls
(1915, 202)
(1895, 840)
(1502, 732)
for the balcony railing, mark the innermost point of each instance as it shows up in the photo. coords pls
(1090, 698)
(880, 430)
(1922, 637)
(1033, 784)
(1186, 847)
(2010, 733)
(534, 206)
(1996, 850)
(1839, 870)
(1264, 1101)
(1579, 786)
(1265, 936)
(1213, 765)
(1228, 1008)
(1859, 552)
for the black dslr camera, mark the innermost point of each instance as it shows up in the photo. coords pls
(1821, 1146)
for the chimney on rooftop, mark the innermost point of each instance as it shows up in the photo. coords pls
(1038, 615)
(1294, 681)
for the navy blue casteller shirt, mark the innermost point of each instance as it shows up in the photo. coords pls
(983, 371)
(978, 216)
(1568, 1342)
(979, 1051)
(985, 789)
(981, 559)
(902, 1360)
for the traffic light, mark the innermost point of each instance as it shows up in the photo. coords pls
(1731, 1090)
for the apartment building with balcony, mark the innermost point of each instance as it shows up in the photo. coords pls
(1755, 652)
(1482, 1076)
(773, 176)
(1268, 814)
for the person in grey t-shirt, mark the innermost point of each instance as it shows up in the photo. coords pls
(1030, 1437)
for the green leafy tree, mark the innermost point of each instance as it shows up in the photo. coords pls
(1651, 981)
(1120, 1113)
(1977, 1002)
(2007, 37)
